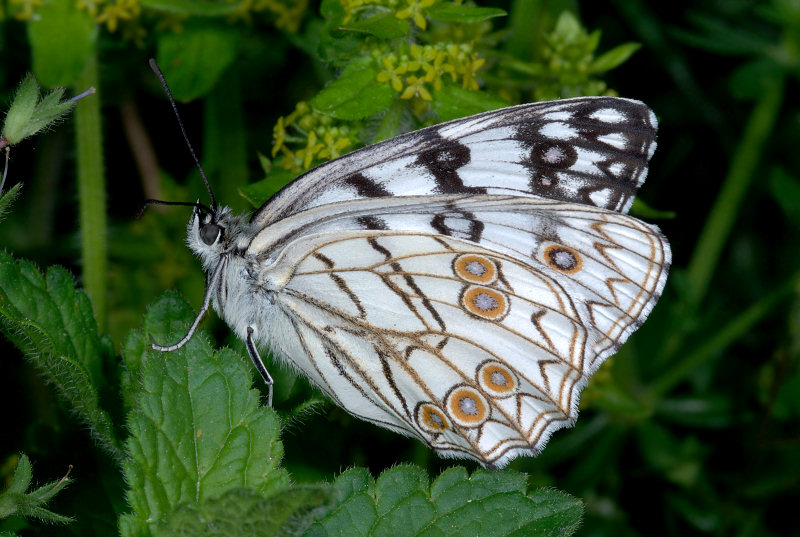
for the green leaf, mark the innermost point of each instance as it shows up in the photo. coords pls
(452, 102)
(614, 57)
(194, 59)
(62, 39)
(7, 199)
(356, 94)
(17, 500)
(259, 192)
(383, 25)
(23, 474)
(336, 47)
(193, 7)
(198, 431)
(52, 323)
(402, 503)
(462, 14)
(245, 511)
(21, 110)
(332, 10)
(391, 121)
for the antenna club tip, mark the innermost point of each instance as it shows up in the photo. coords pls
(154, 66)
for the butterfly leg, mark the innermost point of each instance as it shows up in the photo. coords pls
(259, 363)
(210, 289)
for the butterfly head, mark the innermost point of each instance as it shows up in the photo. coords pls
(213, 231)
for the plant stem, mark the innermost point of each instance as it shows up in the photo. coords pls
(92, 193)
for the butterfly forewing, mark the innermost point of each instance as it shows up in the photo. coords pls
(591, 150)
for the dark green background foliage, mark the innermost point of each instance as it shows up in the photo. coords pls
(692, 428)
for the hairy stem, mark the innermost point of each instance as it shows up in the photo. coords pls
(92, 193)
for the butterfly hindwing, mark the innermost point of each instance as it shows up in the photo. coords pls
(417, 330)
(590, 150)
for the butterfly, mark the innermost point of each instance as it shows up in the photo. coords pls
(458, 284)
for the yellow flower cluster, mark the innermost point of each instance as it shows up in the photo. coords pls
(317, 135)
(415, 10)
(412, 74)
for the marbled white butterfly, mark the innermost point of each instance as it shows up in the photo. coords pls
(458, 284)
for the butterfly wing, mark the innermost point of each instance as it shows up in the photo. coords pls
(590, 150)
(477, 345)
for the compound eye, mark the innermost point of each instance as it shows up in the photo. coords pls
(209, 233)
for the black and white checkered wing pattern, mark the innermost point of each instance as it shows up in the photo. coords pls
(591, 150)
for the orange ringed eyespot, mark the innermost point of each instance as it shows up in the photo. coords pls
(475, 268)
(563, 259)
(485, 302)
(497, 379)
(467, 406)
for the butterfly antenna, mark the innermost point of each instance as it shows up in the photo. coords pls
(160, 75)
(196, 205)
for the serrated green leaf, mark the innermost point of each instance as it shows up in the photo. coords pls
(194, 60)
(383, 25)
(463, 14)
(199, 431)
(62, 39)
(403, 503)
(453, 102)
(193, 7)
(245, 511)
(356, 94)
(52, 323)
(259, 192)
(614, 57)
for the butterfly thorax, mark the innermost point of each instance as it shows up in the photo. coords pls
(220, 239)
